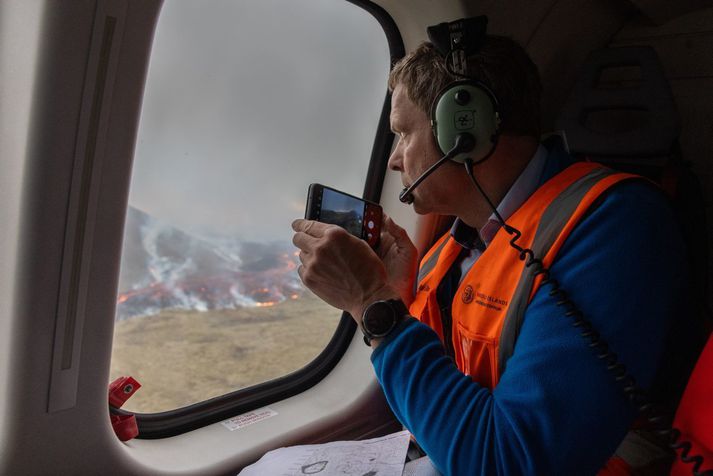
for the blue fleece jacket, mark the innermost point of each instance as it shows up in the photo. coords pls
(556, 409)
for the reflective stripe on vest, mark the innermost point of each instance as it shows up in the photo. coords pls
(489, 305)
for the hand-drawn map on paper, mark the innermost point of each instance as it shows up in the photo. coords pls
(384, 456)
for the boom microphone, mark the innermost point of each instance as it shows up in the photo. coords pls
(464, 143)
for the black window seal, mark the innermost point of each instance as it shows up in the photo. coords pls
(184, 419)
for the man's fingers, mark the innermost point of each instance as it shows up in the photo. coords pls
(303, 241)
(388, 225)
(308, 233)
(393, 226)
(310, 227)
(302, 256)
(399, 234)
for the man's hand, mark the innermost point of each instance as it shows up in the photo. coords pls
(400, 258)
(340, 268)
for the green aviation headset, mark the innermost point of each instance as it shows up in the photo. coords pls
(466, 108)
(464, 117)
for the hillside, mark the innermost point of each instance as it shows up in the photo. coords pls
(165, 267)
(202, 316)
(183, 357)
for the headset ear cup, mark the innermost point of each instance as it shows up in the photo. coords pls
(466, 107)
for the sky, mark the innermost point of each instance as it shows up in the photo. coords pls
(247, 102)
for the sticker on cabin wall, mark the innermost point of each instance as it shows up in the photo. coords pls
(247, 419)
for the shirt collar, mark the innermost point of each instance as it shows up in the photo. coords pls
(525, 185)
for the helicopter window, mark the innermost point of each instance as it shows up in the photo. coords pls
(246, 103)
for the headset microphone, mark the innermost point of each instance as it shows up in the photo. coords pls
(464, 142)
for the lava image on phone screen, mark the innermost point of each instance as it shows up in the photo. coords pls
(359, 217)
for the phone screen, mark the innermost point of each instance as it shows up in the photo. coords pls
(359, 217)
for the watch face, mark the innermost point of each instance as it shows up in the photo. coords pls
(379, 318)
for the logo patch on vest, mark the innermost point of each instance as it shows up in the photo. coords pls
(491, 302)
(475, 295)
(467, 296)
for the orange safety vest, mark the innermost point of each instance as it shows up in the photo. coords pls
(489, 305)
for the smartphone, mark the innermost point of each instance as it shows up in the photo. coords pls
(359, 217)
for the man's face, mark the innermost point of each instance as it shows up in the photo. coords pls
(415, 152)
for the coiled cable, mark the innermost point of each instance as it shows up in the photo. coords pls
(655, 416)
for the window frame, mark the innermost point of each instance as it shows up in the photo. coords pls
(184, 419)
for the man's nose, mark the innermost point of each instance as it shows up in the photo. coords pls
(395, 159)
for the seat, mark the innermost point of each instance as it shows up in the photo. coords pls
(622, 113)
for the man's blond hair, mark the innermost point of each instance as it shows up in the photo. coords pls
(501, 64)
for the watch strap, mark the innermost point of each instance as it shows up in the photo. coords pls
(400, 313)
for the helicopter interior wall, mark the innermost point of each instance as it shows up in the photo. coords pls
(15, 97)
(683, 45)
(46, 91)
(66, 111)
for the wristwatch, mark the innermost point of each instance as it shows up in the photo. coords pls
(381, 317)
